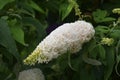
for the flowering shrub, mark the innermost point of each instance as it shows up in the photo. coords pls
(85, 47)
(68, 37)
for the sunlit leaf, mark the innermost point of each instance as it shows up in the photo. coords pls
(17, 31)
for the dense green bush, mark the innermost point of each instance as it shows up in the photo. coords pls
(24, 23)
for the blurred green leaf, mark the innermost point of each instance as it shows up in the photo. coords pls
(91, 61)
(102, 29)
(110, 56)
(65, 9)
(107, 19)
(63, 60)
(91, 44)
(92, 48)
(115, 34)
(41, 29)
(6, 39)
(117, 58)
(75, 62)
(116, 66)
(9, 57)
(26, 9)
(4, 70)
(101, 52)
(36, 7)
(23, 11)
(16, 15)
(86, 74)
(101, 16)
(94, 52)
(17, 32)
(4, 2)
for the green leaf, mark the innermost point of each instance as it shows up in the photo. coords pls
(91, 44)
(18, 34)
(101, 16)
(107, 19)
(36, 7)
(4, 69)
(4, 2)
(6, 39)
(116, 66)
(94, 52)
(7, 55)
(76, 62)
(26, 9)
(101, 52)
(65, 9)
(62, 60)
(92, 48)
(41, 29)
(110, 56)
(17, 31)
(87, 74)
(115, 34)
(98, 15)
(23, 11)
(117, 58)
(102, 29)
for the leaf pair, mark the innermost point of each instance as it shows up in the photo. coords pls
(17, 32)
(6, 39)
(101, 16)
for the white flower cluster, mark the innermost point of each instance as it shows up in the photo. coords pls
(67, 37)
(31, 74)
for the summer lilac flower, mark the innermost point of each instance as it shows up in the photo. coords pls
(67, 37)
(31, 74)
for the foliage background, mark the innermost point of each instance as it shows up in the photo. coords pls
(24, 23)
